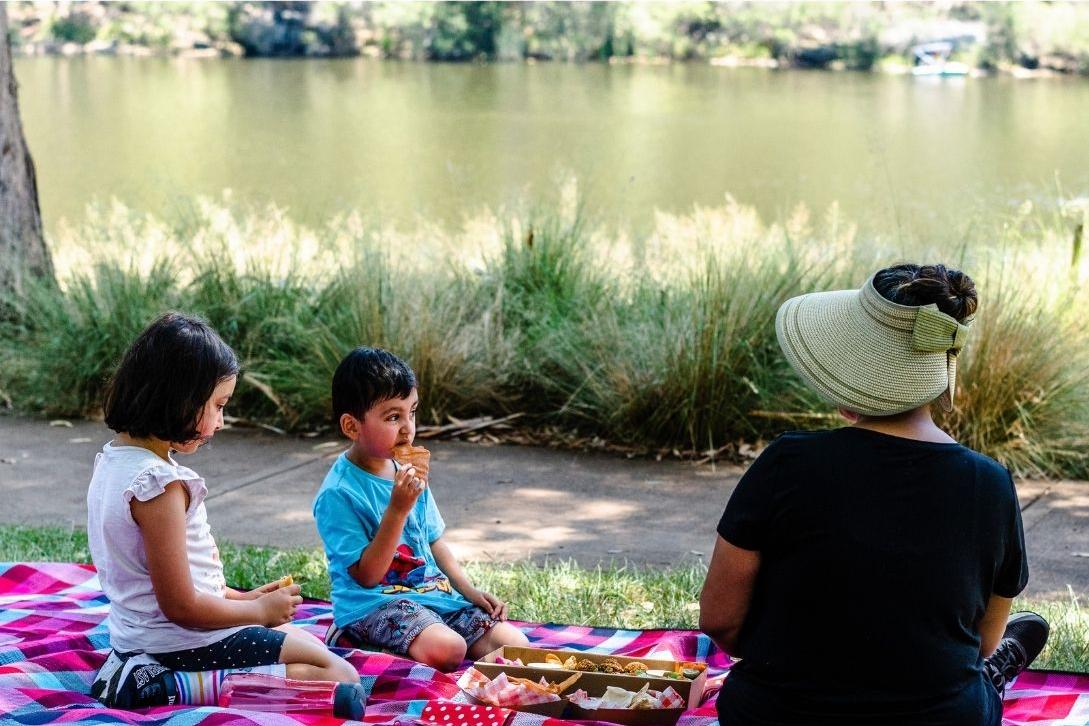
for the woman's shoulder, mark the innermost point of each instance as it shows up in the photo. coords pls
(987, 469)
(800, 443)
(849, 441)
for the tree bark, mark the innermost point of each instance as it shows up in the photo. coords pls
(22, 247)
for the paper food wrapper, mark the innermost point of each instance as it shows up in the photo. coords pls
(501, 691)
(615, 697)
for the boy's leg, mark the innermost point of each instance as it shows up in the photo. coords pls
(496, 637)
(482, 632)
(439, 647)
(408, 628)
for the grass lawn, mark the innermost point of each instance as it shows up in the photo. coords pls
(562, 592)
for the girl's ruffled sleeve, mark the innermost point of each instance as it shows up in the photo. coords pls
(153, 481)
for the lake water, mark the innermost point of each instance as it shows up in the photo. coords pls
(400, 141)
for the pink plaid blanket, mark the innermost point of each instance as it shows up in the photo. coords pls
(53, 639)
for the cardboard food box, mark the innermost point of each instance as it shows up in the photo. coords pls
(552, 709)
(627, 716)
(596, 683)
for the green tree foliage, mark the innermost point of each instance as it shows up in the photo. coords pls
(853, 35)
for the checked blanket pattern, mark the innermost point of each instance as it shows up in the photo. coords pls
(53, 639)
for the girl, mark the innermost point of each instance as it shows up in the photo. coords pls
(864, 574)
(150, 540)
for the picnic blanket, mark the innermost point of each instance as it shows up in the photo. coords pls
(53, 639)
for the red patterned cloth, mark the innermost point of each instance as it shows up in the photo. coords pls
(53, 639)
(449, 713)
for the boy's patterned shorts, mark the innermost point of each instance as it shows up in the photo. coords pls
(395, 625)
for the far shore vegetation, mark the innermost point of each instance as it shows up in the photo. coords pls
(1031, 37)
(661, 342)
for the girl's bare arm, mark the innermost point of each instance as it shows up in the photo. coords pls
(162, 524)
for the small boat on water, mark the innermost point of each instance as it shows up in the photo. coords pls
(932, 59)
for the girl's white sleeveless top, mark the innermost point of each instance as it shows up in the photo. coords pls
(135, 622)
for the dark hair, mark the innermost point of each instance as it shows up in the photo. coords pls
(951, 290)
(368, 376)
(166, 378)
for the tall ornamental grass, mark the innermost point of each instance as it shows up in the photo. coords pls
(662, 341)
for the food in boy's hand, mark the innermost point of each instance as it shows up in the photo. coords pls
(610, 665)
(416, 456)
(586, 665)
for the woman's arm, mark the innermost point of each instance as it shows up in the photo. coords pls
(727, 592)
(993, 623)
(162, 525)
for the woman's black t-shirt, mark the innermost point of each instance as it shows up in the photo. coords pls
(878, 556)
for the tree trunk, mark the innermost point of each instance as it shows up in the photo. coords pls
(22, 247)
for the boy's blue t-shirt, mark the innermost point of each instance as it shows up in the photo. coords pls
(348, 509)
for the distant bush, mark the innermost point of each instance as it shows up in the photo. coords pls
(75, 27)
(672, 346)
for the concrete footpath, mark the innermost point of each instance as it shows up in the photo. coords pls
(499, 502)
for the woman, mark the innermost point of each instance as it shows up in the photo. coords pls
(864, 574)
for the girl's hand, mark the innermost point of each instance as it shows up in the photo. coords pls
(263, 590)
(488, 603)
(407, 488)
(278, 606)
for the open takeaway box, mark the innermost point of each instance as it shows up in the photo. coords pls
(555, 666)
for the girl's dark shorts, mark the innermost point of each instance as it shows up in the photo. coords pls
(249, 647)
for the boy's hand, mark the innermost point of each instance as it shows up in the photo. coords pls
(278, 605)
(489, 603)
(407, 488)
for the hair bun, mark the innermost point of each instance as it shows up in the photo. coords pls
(951, 290)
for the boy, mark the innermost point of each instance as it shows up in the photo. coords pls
(396, 584)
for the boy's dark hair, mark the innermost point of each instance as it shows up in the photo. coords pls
(951, 290)
(367, 376)
(166, 377)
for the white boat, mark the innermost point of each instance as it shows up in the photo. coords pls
(932, 59)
